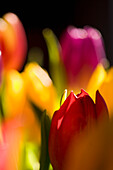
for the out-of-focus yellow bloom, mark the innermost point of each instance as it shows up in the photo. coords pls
(103, 81)
(106, 89)
(39, 86)
(13, 42)
(96, 80)
(13, 94)
(93, 150)
(15, 103)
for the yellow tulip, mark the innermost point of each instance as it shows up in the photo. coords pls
(106, 89)
(93, 150)
(103, 81)
(13, 93)
(96, 80)
(15, 104)
(39, 87)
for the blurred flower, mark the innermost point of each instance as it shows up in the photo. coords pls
(82, 50)
(11, 144)
(102, 80)
(15, 103)
(13, 42)
(39, 87)
(1, 68)
(13, 95)
(93, 150)
(78, 112)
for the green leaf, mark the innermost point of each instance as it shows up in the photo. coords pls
(56, 67)
(2, 107)
(38, 112)
(45, 128)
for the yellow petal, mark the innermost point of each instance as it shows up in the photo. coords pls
(96, 80)
(39, 86)
(14, 93)
(106, 89)
(92, 150)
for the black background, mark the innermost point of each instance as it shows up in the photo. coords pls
(57, 15)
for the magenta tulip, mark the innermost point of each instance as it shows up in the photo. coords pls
(82, 50)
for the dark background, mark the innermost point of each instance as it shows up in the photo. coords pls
(57, 15)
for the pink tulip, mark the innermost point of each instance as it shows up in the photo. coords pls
(82, 50)
(10, 144)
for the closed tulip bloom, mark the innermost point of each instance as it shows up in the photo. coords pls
(13, 95)
(78, 112)
(82, 50)
(13, 42)
(39, 87)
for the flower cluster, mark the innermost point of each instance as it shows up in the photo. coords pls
(58, 119)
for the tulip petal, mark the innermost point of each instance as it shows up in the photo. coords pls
(106, 89)
(38, 83)
(88, 106)
(14, 42)
(101, 107)
(55, 129)
(73, 116)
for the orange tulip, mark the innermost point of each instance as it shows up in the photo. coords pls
(13, 42)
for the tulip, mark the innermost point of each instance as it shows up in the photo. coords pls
(15, 103)
(78, 112)
(93, 150)
(10, 144)
(102, 80)
(13, 95)
(39, 87)
(1, 67)
(13, 42)
(81, 51)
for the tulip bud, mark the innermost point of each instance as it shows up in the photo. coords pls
(77, 113)
(39, 87)
(13, 95)
(82, 50)
(13, 42)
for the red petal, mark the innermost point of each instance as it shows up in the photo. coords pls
(101, 107)
(55, 126)
(82, 94)
(88, 107)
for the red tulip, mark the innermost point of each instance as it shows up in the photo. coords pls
(78, 112)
